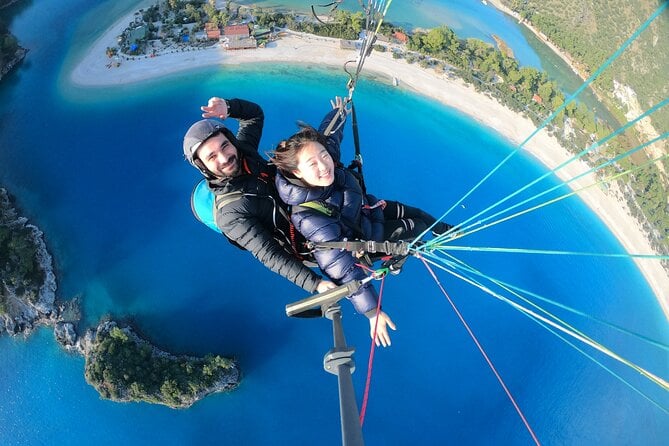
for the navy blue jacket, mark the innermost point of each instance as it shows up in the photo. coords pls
(348, 221)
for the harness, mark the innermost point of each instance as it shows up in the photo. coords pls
(393, 254)
(205, 204)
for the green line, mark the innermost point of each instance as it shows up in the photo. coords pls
(565, 328)
(438, 241)
(559, 305)
(448, 247)
(569, 161)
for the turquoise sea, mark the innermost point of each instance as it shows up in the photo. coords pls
(101, 172)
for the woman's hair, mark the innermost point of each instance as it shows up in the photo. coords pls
(287, 151)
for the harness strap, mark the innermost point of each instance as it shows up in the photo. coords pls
(381, 203)
(366, 246)
(226, 199)
(357, 161)
(317, 206)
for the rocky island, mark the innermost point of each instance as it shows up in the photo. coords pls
(11, 53)
(124, 367)
(120, 364)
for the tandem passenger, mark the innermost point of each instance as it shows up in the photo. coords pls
(310, 172)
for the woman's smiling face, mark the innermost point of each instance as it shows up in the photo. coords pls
(315, 165)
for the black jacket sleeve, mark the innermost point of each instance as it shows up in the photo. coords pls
(251, 120)
(239, 221)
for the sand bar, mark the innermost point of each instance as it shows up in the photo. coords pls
(93, 71)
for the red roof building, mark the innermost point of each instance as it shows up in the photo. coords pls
(400, 37)
(213, 32)
(239, 31)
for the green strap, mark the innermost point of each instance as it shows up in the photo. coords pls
(317, 206)
(226, 199)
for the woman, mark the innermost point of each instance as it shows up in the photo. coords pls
(328, 205)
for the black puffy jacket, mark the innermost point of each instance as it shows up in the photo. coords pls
(348, 221)
(257, 221)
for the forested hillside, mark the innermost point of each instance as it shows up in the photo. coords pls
(592, 30)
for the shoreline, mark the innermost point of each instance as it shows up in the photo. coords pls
(497, 4)
(293, 47)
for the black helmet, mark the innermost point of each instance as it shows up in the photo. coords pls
(199, 133)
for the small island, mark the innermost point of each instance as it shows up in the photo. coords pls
(123, 367)
(120, 365)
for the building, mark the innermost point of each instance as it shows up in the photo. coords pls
(137, 34)
(236, 31)
(212, 31)
(238, 37)
(400, 37)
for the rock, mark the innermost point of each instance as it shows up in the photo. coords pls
(66, 335)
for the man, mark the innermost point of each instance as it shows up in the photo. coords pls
(248, 210)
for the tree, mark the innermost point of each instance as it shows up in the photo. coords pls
(435, 40)
(357, 21)
(192, 13)
(530, 78)
(546, 91)
(210, 10)
(514, 76)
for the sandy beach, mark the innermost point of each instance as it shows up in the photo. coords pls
(93, 71)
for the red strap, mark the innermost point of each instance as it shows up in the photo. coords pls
(380, 203)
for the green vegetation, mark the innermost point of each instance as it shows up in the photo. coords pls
(590, 31)
(19, 268)
(8, 47)
(123, 367)
(342, 25)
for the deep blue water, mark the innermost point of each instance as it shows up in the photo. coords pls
(101, 172)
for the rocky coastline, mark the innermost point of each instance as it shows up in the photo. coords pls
(28, 300)
(6, 3)
(8, 63)
(19, 55)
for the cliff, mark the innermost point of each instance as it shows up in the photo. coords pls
(27, 279)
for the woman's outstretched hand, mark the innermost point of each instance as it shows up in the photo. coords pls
(325, 285)
(382, 335)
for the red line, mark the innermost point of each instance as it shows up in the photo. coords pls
(363, 409)
(492, 367)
